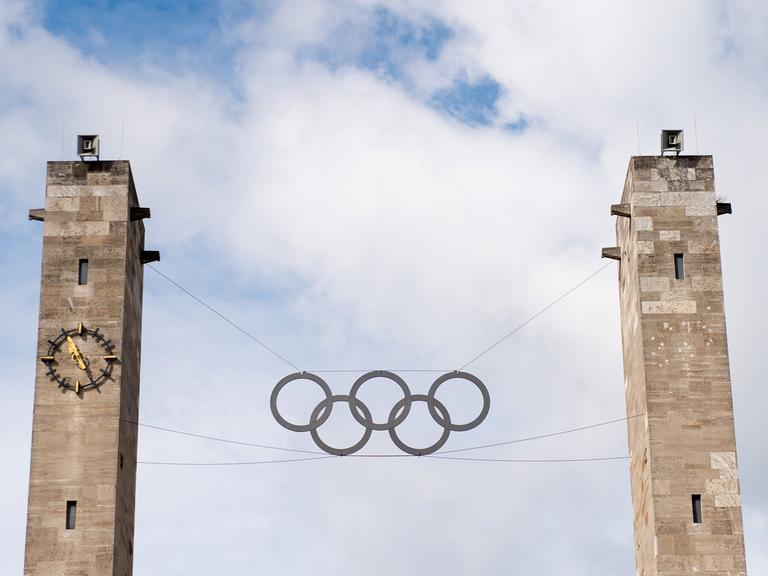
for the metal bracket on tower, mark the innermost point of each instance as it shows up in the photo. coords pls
(139, 213)
(614, 253)
(37, 214)
(724, 208)
(148, 256)
(623, 210)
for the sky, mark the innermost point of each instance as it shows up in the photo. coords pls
(389, 184)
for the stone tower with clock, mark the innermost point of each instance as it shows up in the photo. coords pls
(82, 481)
(684, 473)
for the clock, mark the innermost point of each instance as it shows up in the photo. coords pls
(79, 359)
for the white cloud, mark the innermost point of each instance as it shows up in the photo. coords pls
(389, 236)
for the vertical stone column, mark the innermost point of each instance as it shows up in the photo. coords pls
(84, 443)
(676, 370)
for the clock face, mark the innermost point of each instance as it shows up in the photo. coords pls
(79, 359)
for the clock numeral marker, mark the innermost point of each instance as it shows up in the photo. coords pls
(47, 359)
(79, 327)
(77, 387)
(110, 358)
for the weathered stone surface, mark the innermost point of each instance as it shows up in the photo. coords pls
(700, 283)
(84, 446)
(687, 198)
(653, 284)
(701, 210)
(643, 223)
(676, 372)
(672, 306)
(724, 461)
(669, 235)
(645, 247)
(76, 228)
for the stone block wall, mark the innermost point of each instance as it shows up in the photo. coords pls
(677, 373)
(81, 449)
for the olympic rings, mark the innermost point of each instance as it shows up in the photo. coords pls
(390, 376)
(312, 424)
(446, 423)
(355, 447)
(429, 449)
(397, 415)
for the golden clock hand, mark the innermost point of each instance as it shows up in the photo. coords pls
(77, 356)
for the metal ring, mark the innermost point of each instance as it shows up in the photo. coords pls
(446, 423)
(389, 376)
(366, 424)
(313, 422)
(429, 449)
(397, 415)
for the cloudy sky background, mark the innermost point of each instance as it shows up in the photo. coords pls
(391, 184)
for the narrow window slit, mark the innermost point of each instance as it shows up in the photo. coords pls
(679, 270)
(71, 514)
(82, 272)
(696, 504)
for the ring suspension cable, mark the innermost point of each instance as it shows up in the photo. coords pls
(440, 453)
(342, 370)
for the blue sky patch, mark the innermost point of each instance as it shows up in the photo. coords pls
(383, 44)
(179, 34)
(473, 103)
(392, 33)
(191, 35)
(517, 126)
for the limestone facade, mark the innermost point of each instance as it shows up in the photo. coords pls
(676, 371)
(84, 445)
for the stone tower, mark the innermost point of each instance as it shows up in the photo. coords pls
(685, 486)
(83, 466)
